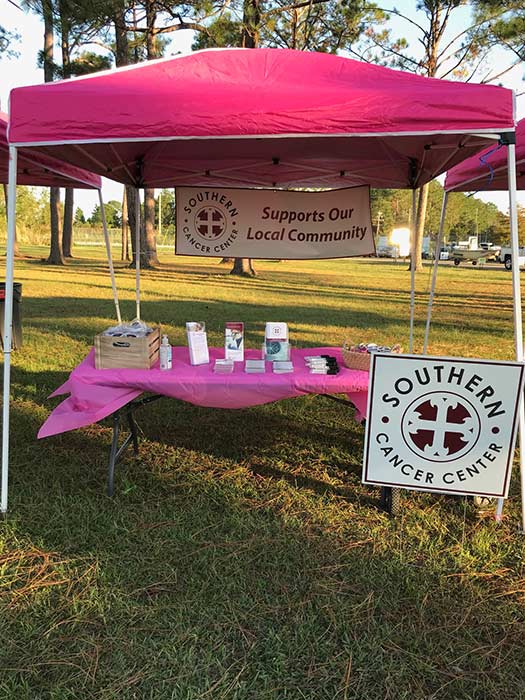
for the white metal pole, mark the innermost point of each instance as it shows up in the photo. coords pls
(412, 270)
(160, 215)
(518, 325)
(434, 271)
(8, 321)
(110, 257)
(137, 251)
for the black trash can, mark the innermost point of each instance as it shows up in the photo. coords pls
(17, 314)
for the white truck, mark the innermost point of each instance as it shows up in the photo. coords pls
(505, 256)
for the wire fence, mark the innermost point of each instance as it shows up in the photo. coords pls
(82, 236)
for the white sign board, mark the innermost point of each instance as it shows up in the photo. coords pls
(274, 224)
(442, 424)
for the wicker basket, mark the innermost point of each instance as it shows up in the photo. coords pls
(360, 360)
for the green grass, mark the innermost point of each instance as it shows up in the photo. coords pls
(242, 558)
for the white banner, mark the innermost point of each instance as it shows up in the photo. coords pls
(274, 224)
(442, 424)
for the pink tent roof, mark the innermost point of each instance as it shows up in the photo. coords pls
(42, 170)
(265, 117)
(488, 170)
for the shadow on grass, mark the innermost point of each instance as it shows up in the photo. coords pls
(202, 578)
(240, 558)
(80, 318)
(305, 433)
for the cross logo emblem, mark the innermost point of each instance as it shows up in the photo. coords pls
(441, 426)
(210, 223)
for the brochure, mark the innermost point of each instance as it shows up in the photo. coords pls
(277, 346)
(197, 342)
(234, 341)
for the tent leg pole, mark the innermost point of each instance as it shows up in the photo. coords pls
(412, 270)
(518, 327)
(8, 321)
(434, 271)
(137, 251)
(392, 496)
(110, 257)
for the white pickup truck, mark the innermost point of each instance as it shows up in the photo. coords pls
(505, 256)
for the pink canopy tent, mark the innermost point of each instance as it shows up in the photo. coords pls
(263, 118)
(491, 170)
(41, 170)
(487, 171)
(270, 117)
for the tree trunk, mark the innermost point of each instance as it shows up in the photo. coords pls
(47, 14)
(150, 237)
(145, 264)
(420, 224)
(56, 256)
(16, 248)
(121, 38)
(67, 226)
(131, 195)
(433, 37)
(124, 255)
(243, 268)
(251, 22)
(55, 252)
(128, 195)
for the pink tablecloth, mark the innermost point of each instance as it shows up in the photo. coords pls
(95, 394)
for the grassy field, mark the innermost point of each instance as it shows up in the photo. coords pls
(242, 558)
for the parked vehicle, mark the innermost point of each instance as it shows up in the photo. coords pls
(505, 256)
(473, 255)
(387, 251)
(473, 252)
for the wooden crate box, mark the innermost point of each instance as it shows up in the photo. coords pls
(124, 352)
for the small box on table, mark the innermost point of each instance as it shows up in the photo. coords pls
(127, 352)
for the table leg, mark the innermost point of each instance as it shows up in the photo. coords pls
(133, 430)
(116, 451)
(113, 453)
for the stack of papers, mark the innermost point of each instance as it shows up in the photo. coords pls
(255, 366)
(223, 366)
(282, 367)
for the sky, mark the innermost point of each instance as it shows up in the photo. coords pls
(23, 70)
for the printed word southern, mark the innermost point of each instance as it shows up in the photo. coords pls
(452, 376)
(294, 234)
(210, 197)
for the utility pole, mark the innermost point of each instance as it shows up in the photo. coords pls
(379, 215)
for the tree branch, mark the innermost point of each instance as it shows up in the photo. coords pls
(286, 8)
(393, 11)
(396, 53)
(172, 28)
(475, 26)
(498, 75)
(458, 61)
